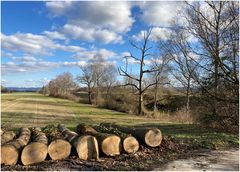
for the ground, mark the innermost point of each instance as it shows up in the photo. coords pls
(205, 160)
(32, 109)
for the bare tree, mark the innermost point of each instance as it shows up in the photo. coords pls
(182, 67)
(87, 78)
(215, 25)
(62, 85)
(109, 79)
(138, 81)
(160, 75)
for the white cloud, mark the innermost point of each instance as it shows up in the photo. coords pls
(54, 35)
(115, 16)
(159, 13)
(94, 21)
(73, 64)
(157, 34)
(91, 34)
(24, 58)
(95, 54)
(27, 66)
(34, 44)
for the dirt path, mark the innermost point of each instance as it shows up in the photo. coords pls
(206, 161)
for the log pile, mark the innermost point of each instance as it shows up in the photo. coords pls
(110, 139)
(36, 151)
(149, 136)
(129, 143)
(85, 145)
(10, 152)
(109, 144)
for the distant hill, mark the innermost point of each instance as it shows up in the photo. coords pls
(23, 89)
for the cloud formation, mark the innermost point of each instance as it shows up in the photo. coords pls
(157, 34)
(94, 21)
(159, 13)
(33, 44)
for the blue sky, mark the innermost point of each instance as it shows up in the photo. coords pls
(40, 40)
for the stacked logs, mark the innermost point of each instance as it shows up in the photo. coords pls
(109, 139)
(151, 137)
(109, 144)
(85, 145)
(129, 143)
(10, 152)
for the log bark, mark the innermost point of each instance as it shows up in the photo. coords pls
(85, 145)
(58, 148)
(36, 151)
(129, 143)
(10, 151)
(149, 136)
(7, 136)
(109, 144)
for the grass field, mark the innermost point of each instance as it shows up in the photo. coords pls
(32, 109)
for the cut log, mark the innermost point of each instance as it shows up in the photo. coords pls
(109, 144)
(58, 148)
(130, 143)
(85, 145)
(36, 151)
(7, 136)
(149, 136)
(10, 151)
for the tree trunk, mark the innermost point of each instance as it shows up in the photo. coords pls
(37, 150)
(155, 96)
(188, 95)
(7, 136)
(130, 143)
(140, 99)
(86, 145)
(149, 136)
(109, 144)
(89, 97)
(11, 151)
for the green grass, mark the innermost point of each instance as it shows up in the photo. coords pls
(32, 109)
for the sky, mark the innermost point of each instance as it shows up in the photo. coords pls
(40, 40)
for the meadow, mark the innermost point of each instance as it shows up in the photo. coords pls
(33, 109)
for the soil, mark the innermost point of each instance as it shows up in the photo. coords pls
(206, 160)
(145, 159)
